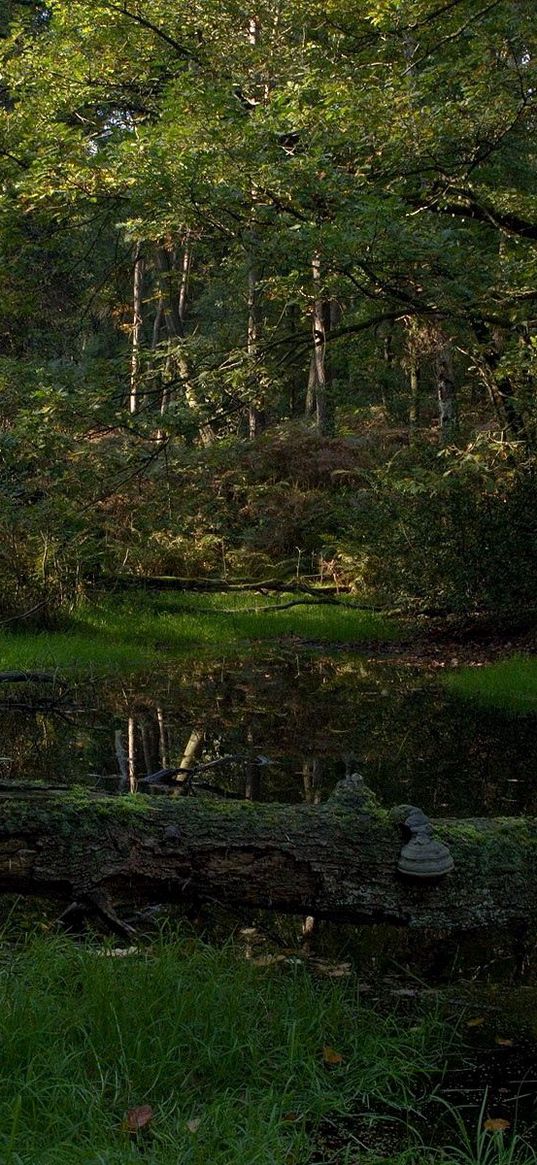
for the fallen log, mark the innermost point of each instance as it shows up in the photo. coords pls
(338, 860)
(138, 582)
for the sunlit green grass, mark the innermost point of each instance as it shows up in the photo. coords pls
(200, 1035)
(135, 630)
(510, 684)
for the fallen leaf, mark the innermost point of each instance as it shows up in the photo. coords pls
(138, 1118)
(332, 970)
(504, 1043)
(267, 960)
(118, 952)
(330, 1056)
(475, 1022)
(496, 1124)
(193, 1125)
(291, 1117)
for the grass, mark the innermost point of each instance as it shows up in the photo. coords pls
(115, 633)
(203, 1037)
(509, 685)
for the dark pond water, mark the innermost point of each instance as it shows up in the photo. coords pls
(310, 718)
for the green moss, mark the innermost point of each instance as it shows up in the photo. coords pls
(141, 629)
(509, 685)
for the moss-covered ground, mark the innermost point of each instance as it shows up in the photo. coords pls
(509, 684)
(134, 630)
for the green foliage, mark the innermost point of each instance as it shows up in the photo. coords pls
(395, 147)
(456, 532)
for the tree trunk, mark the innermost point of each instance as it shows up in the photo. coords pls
(185, 276)
(414, 384)
(311, 389)
(133, 766)
(445, 387)
(255, 413)
(174, 317)
(137, 325)
(321, 328)
(337, 860)
(163, 739)
(501, 388)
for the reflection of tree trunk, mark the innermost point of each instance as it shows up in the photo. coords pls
(163, 739)
(122, 762)
(137, 325)
(311, 774)
(252, 781)
(133, 767)
(150, 745)
(192, 749)
(335, 860)
(312, 778)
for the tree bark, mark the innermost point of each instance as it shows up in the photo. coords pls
(321, 328)
(255, 410)
(174, 305)
(445, 387)
(337, 860)
(137, 326)
(414, 377)
(255, 413)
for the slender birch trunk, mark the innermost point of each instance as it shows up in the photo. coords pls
(192, 749)
(255, 414)
(163, 739)
(137, 325)
(174, 317)
(321, 328)
(133, 767)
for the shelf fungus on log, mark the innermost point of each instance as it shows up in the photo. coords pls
(423, 856)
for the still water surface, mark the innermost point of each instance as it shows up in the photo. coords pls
(295, 724)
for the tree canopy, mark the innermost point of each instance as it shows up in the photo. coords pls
(269, 267)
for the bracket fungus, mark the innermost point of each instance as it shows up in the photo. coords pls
(423, 856)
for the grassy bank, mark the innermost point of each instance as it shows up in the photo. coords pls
(509, 685)
(140, 629)
(228, 1055)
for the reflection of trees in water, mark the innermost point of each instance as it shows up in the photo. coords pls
(312, 717)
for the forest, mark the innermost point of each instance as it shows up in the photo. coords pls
(268, 609)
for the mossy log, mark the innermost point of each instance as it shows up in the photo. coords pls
(337, 860)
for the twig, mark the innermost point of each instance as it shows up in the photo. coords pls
(24, 614)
